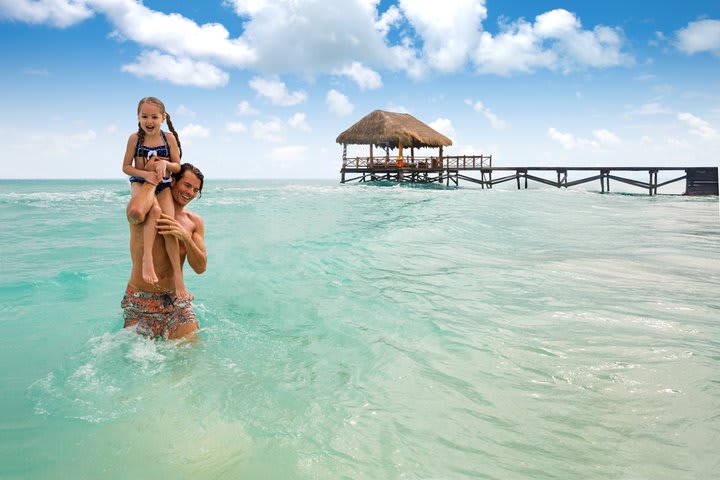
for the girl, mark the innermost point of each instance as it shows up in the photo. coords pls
(152, 154)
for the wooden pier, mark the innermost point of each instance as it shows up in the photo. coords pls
(478, 169)
(397, 131)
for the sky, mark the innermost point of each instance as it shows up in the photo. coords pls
(262, 88)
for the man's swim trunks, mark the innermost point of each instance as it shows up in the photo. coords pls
(156, 315)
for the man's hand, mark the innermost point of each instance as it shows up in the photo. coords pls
(167, 225)
(152, 178)
(160, 167)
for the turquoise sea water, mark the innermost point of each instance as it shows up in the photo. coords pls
(367, 332)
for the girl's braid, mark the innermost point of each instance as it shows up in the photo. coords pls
(140, 142)
(172, 130)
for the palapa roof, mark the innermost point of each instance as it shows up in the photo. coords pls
(389, 128)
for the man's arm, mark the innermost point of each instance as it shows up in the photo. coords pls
(194, 241)
(195, 246)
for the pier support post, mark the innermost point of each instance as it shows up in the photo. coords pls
(521, 173)
(605, 181)
(652, 184)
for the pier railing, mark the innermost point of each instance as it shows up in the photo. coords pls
(464, 162)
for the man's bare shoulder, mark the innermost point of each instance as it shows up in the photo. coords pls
(195, 219)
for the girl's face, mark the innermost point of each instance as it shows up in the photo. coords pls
(150, 118)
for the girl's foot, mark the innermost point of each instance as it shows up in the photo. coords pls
(148, 272)
(180, 290)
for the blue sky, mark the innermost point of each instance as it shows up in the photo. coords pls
(261, 88)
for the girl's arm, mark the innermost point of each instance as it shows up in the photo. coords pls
(129, 167)
(168, 165)
(174, 164)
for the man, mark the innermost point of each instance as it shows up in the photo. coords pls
(154, 309)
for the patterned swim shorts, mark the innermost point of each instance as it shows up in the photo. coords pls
(156, 315)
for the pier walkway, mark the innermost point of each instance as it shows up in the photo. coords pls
(452, 169)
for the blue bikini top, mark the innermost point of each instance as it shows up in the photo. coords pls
(143, 151)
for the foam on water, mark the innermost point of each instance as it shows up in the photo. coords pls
(357, 331)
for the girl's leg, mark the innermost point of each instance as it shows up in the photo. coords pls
(139, 210)
(149, 234)
(142, 197)
(171, 244)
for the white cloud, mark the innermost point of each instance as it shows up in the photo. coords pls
(248, 7)
(179, 71)
(365, 78)
(183, 111)
(555, 41)
(449, 29)
(494, 120)
(350, 38)
(244, 108)
(444, 126)
(698, 126)
(73, 142)
(298, 122)
(569, 142)
(606, 137)
(646, 77)
(57, 13)
(391, 107)
(36, 72)
(193, 130)
(516, 50)
(653, 108)
(339, 103)
(288, 156)
(174, 34)
(678, 143)
(387, 20)
(270, 131)
(276, 91)
(700, 36)
(235, 127)
(603, 138)
(54, 144)
(307, 37)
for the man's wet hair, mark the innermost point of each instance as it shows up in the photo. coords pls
(188, 166)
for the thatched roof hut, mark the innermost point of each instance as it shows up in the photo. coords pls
(392, 130)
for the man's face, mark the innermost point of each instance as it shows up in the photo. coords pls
(187, 188)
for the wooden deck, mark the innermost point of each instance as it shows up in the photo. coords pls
(452, 169)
